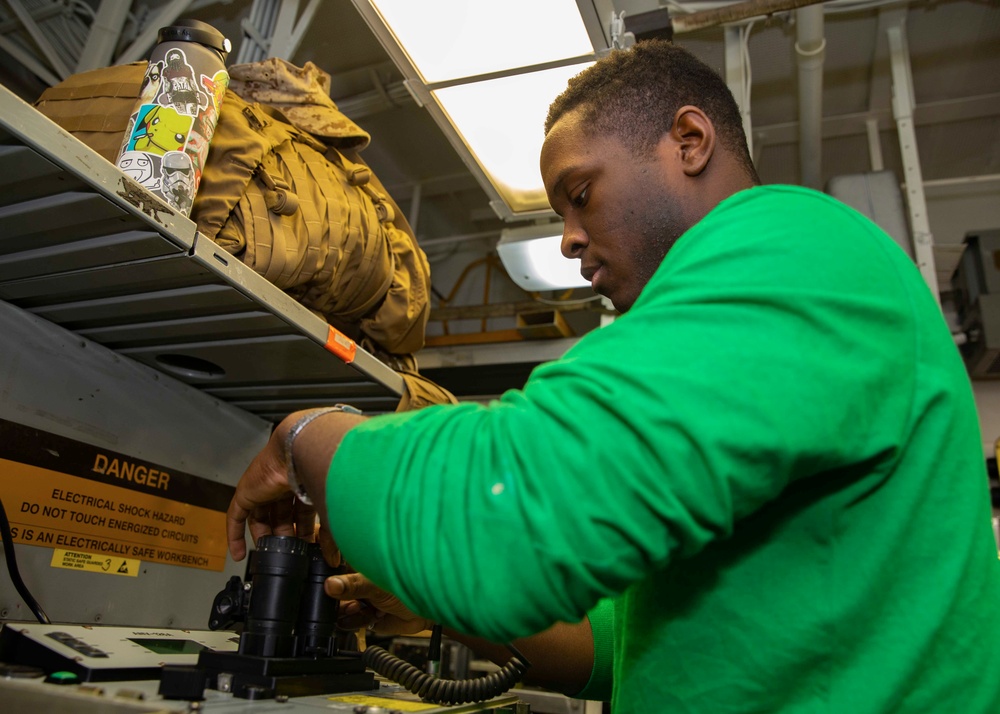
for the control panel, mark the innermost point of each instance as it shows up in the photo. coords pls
(271, 638)
(104, 654)
(83, 668)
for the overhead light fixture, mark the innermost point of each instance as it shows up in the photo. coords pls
(448, 40)
(487, 72)
(500, 121)
(534, 261)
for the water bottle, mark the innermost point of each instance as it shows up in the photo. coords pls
(174, 118)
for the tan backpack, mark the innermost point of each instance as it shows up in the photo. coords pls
(300, 208)
(312, 222)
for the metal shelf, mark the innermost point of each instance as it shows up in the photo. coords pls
(85, 247)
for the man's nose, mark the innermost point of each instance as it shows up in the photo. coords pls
(574, 240)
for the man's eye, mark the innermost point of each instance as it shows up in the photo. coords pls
(580, 199)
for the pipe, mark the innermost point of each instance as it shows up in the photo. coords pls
(733, 13)
(458, 238)
(415, 197)
(961, 181)
(874, 145)
(810, 49)
(104, 33)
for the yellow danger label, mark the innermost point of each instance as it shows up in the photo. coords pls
(81, 516)
(402, 705)
(94, 563)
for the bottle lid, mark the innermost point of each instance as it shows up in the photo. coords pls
(185, 30)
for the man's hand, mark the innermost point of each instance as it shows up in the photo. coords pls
(264, 501)
(364, 604)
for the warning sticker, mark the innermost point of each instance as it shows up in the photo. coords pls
(94, 563)
(86, 501)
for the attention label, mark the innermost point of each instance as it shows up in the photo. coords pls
(93, 505)
(93, 563)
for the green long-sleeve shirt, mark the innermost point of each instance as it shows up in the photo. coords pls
(772, 462)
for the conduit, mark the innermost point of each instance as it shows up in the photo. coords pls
(810, 50)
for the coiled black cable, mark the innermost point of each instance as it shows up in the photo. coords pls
(15, 574)
(446, 691)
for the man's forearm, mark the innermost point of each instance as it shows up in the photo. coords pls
(313, 450)
(562, 657)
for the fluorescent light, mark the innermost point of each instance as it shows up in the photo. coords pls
(451, 39)
(534, 261)
(502, 122)
(487, 72)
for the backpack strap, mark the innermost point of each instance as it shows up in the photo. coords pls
(238, 147)
(360, 175)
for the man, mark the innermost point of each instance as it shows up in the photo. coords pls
(763, 484)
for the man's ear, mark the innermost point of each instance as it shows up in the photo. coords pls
(695, 135)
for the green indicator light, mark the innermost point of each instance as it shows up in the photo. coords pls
(61, 678)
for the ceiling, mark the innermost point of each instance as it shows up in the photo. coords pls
(954, 56)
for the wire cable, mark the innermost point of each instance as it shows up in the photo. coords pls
(446, 691)
(434, 650)
(15, 575)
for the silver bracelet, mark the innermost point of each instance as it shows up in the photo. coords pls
(293, 483)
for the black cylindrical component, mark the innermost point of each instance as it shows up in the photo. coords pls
(277, 577)
(316, 626)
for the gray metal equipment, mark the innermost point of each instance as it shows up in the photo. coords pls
(976, 285)
(141, 369)
(85, 247)
(126, 333)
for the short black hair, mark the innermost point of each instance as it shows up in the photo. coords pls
(634, 94)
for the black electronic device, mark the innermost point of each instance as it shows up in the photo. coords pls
(288, 644)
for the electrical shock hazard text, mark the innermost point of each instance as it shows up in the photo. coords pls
(67, 512)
